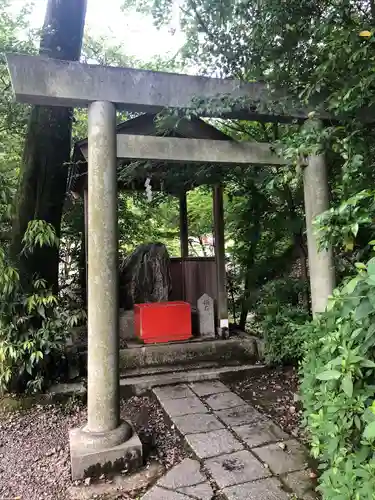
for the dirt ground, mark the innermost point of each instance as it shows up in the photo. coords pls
(273, 393)
(34, 449)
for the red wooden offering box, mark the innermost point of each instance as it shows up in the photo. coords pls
(162, 321)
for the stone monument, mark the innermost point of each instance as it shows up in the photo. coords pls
(145, 276)
(206, 316)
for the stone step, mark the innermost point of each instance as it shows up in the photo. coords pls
(141, 380)
(155, 370)
(142, 383)
(243, 349)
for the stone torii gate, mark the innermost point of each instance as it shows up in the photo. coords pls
(105, 441)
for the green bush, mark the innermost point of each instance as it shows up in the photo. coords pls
(279, 314)
(282, 335)
(33, 324)
(338, 388)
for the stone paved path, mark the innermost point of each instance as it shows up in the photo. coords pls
(241, 455)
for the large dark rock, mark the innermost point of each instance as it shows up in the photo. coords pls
(145, 276)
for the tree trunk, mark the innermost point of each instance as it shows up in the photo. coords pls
(244, 307)
(43, 177)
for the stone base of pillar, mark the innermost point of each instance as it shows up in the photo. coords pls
(93, 454)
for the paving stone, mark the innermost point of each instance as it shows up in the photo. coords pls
(157, 493)
(209, 387)
(197, 423)
(236, 468)
(262, 433)
(266, 489)
(202, 491)
(280, 460)
(173, 392)
(186, 473)
(301, 484)
(183, 406)
(224, 400)
(210, 444)
(241, 415)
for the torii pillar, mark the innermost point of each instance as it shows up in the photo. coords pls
(105, 441)
(321, 263)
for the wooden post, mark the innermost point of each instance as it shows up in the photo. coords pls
(184, 234)
(222, 300)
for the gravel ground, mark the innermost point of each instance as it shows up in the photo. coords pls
(273, 393)
(34, 449)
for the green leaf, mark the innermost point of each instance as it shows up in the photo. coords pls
(367, 363)
(357, 422)
(364, 309)
(347, 385)
(329, 375)
(371, 267)
(369, 432)
(350, 287)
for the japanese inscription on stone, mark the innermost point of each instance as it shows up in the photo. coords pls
(206, 316)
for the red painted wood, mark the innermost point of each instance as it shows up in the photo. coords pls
(162, 321)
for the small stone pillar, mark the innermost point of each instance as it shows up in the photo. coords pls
(105, 441)
(321, 264)
(206, 315)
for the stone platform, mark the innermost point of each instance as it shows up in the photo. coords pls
(240, 454)
(239, 349)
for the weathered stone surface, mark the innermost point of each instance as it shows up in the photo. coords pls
(145, 276)
(126, 325)
(209, 387)
(236, 468)
(202, 491)
(191, 373)
(233, 349)
(173, 392)
(123, 482)
(92, 462)
(196, 423)
(317, 200)
(103, 407)
(301, 484)
(35, 80)
(183, 150)
(259, 434)
(186, 478)
(265, 489)
(186, 473)
(183, 406)
(210, 444)
(280, 460)
(157, 493)
(224, 400)
(206, 316)
(241, 415)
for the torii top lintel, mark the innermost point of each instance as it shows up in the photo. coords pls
(52, 82)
